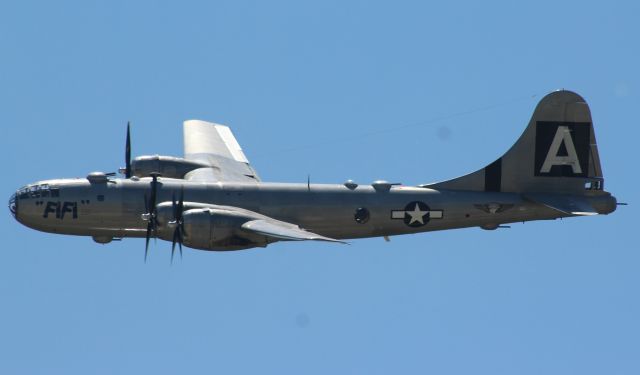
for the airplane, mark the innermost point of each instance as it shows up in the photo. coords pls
(213, 199)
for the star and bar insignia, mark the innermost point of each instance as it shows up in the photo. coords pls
(416, 214)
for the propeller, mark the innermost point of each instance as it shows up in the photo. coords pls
(127, 153)
(151, 212)
(178, 232)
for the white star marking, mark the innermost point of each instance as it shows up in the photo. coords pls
(416, 215)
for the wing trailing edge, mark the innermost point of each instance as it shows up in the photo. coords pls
(283, 231)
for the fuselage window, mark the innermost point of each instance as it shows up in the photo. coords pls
(362, 215)
(593, 185)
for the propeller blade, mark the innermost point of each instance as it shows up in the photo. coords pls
(151, 211)
(127, 153)
(146, 246)
(173, 245)
(177, 219)
(180, 223)
(154, 190)
(180, 242)
(174, 205)
(181, 203)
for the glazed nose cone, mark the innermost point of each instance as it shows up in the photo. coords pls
(13, 205)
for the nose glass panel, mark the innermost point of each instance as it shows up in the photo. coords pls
(13, 205)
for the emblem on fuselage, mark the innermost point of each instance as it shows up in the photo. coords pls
(416, 214)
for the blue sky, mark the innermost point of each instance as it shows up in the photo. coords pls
(411, 91)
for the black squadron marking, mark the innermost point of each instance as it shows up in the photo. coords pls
(493, 176)
(416, 214)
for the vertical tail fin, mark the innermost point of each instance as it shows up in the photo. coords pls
(557, 153)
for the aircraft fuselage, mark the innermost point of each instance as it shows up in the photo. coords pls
(113, 209)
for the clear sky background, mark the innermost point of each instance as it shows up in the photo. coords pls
(413, 92)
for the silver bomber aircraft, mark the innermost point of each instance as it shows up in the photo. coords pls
(212, 199)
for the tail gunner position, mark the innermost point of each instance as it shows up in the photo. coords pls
(212, 199)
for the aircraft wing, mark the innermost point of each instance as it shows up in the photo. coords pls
(215, 145)
(283, 231)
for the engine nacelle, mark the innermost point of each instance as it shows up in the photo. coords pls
(167, 166)
(212, 229)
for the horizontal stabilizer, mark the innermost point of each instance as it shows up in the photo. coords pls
(567, 204)
(283, 231)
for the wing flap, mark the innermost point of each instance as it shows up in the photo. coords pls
(283, 231)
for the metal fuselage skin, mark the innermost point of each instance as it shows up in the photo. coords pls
(113, 209)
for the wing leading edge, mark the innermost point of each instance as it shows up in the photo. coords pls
(215, 145)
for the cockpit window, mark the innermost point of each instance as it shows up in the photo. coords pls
(34, 191)
(37, 191)
(23, 193)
